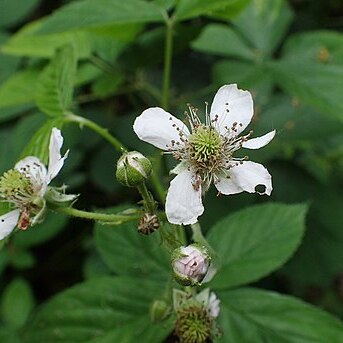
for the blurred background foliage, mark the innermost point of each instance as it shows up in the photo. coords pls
(289, 54)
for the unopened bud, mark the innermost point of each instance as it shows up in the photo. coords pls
(190, 264)
(133, 169)
(159, 310)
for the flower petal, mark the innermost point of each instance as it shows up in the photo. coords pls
(55, 160)
(159, 128)
(8, 222)
(232, 105)
(245, 177)
(259, 142)
(183, 203)
(179, 168)
(34, 169)
(228, 186)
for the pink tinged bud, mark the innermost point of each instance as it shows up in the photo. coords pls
(190, 264)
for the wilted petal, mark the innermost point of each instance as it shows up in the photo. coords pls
(8, 222)
(159, 128)
(232, 105)
(56, 161)
(183, 203)
(35, 170)
(259, 142)
(245, 177)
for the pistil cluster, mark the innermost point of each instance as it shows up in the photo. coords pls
(16, 187)
(206, 151)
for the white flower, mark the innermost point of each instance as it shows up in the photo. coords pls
(206, 151)
(190, 264)
(210, 301)
(213, 305)
(196, 315)
(26, 185)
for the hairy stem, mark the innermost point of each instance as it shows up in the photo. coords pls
(149, 201)
(198, 237)
(104, 217)
(98, 129)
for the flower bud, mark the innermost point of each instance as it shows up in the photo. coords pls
(159, 310)
(190, 264)
(133, 168)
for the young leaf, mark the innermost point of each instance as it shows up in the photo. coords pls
(264, 23)
(312, 70)
(252, 315)
(39, 144)
(17, 303)
(55, 88)
(226, 9)
(222, 40)
(255, 241)
(19, 89)
(13, 12)
(8, 64)
(26, 42)
(101, 13)
(108, 309)
(127, 252)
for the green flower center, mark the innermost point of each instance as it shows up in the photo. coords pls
(15, 186)
(205, 145)
(193, 325)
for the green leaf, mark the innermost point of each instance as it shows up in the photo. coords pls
(9, 335)
(222, 40)
(39, 144)
(247, 75)
(317, 262)
(312, 70)
(252, 315)
(26, 42)
(8, 64)
(226, 9)
(255, 241)
(55, 89)
(13, 12)
(24, 129)
(17, 303)
(107, 84)
(296, 123)
(100, 13)
(128, 252)
(316, 47)
(103, 310)
(19, 89)
(264, 24)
